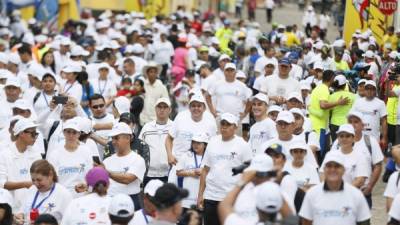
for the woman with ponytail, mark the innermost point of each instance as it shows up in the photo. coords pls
(93, 207)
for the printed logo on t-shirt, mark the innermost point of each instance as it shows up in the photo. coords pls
(71, 169)
(332, 213)
(23, 171)
(49, 207)
(126, 169)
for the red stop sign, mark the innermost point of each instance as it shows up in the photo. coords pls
(388, 7)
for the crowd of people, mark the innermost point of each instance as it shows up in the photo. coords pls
(194, 119)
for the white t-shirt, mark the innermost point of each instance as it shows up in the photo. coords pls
(190, 161)
(262, 62)
(261, 132)
(221, 157)
(392, 187)
(355, 166)
(106, 88)
(229, 96)
(154, 135)
(373, 111)
(88, 209)
(163, 51)
(335, 207)
(140, 218)
(71, 167)
(74, 90)
(245, 204)
(42, 103)
(276, 86)
(394, 211)
(183, 128)
(305, 175)
(55, 204)
(132, 164)
(313, 139)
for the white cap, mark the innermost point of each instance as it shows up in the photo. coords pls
(268, 197)
(318, 65)
(347, 128)
(200, 137)
(72, 124)
(214, 40)
(3, 58)
(23, 124)
(36, 70)
(77, 50)
(197, 98)
(393, 54)
(21, 104)
(339, 43)
(229, 118)
(370, 82)
(122, 104)
(362, 81)
(6, 198)
(137, 48)
(101, 24)
(121, 205)
(230, 66)
(152, 186)
(305, 87)
(240, 74)
(298, 144)
(4, 74)
(334, 156)
(14, 58)
(285, 116)
(261, 163)
(71, 69)
(357, 114)
(120, 128)
(295, 95)
(318, 45)
(364, 35)
(369, 54)
(41, 38)
(274, 108)
(297, 111)
(13, 81)
(262, 97)
(129, 49)
(224, 56)
(65, 41)
(341, 79)
(103, 65)
(163, 100)
(85, 124)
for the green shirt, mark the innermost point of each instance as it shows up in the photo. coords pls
(339, 113)
(319, 117)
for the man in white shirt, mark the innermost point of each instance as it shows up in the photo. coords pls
(16, 161)
(162, 50)
(125, 168)
(374, 112)
(268, 71)
(223, 152)
(154, 134)
(334, 201)
(13, 90)
(104, 85)
(264, 127)
(278, 86)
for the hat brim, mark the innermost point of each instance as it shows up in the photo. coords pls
(147, 67)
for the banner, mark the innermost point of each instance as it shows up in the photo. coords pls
(363, 15)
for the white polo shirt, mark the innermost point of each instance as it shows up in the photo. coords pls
(106, 88)
(347, 206)
(221, 157)
(132, 164)
(261, 132)
(304, 175)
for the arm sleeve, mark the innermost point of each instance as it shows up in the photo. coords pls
(138, 169)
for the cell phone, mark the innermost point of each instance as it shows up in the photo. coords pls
(96, 159)
(60, 99)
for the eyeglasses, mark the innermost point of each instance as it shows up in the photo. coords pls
(98, 106)
(33, 133)
(68, 131)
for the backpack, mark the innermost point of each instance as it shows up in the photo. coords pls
(298, 197)
(36, 97)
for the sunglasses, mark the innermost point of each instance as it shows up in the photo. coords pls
(98, 106)
(32, 133)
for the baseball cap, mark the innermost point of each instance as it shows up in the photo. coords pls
(346, 128)
(393, 54)
(72, 124)
(262, 97)
(224, 56)
(297, 111)
(334, 156)
(12, 81)
(285, 116)
(370, 82)
(295, 95)
(137, 48)
(23, 124)
(71, 69)
(274, 108)
(197, 98)
(262, 163)
(361, 81)
(36, 70)
(357, 114)
(200, 137)
(103, 66)
(6, 198)
(122, 104)
(120, 128)
(305, 86)
(21, 104)
(163, 100)
(268, 197)
(77, 50)
(203, 48)
(152, 186)
(167, 195)
(85, 124)
(14, 58)
(3, 58)
(121, 205)
(341, 79)
(274, 148)
(318, 65)
(229, 118)
(285, 61)
(95, 175)
(230, 66)
(298, 145)
(369, 54)
(240, 74)
(4, 74)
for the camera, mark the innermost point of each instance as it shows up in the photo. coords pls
(240, 169)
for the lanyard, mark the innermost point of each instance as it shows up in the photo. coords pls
(104, 87)
(41, 202)
(66, 91)
(145, 216)
(195, 160)
(44, 96)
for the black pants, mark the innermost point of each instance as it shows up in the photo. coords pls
(252, 14)
(269, 15)
(333, 129)
(392, 134)
(136, 201)
(369, 200)
(238, 12)
(163, 74)
(147, 179)
(211, 212)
